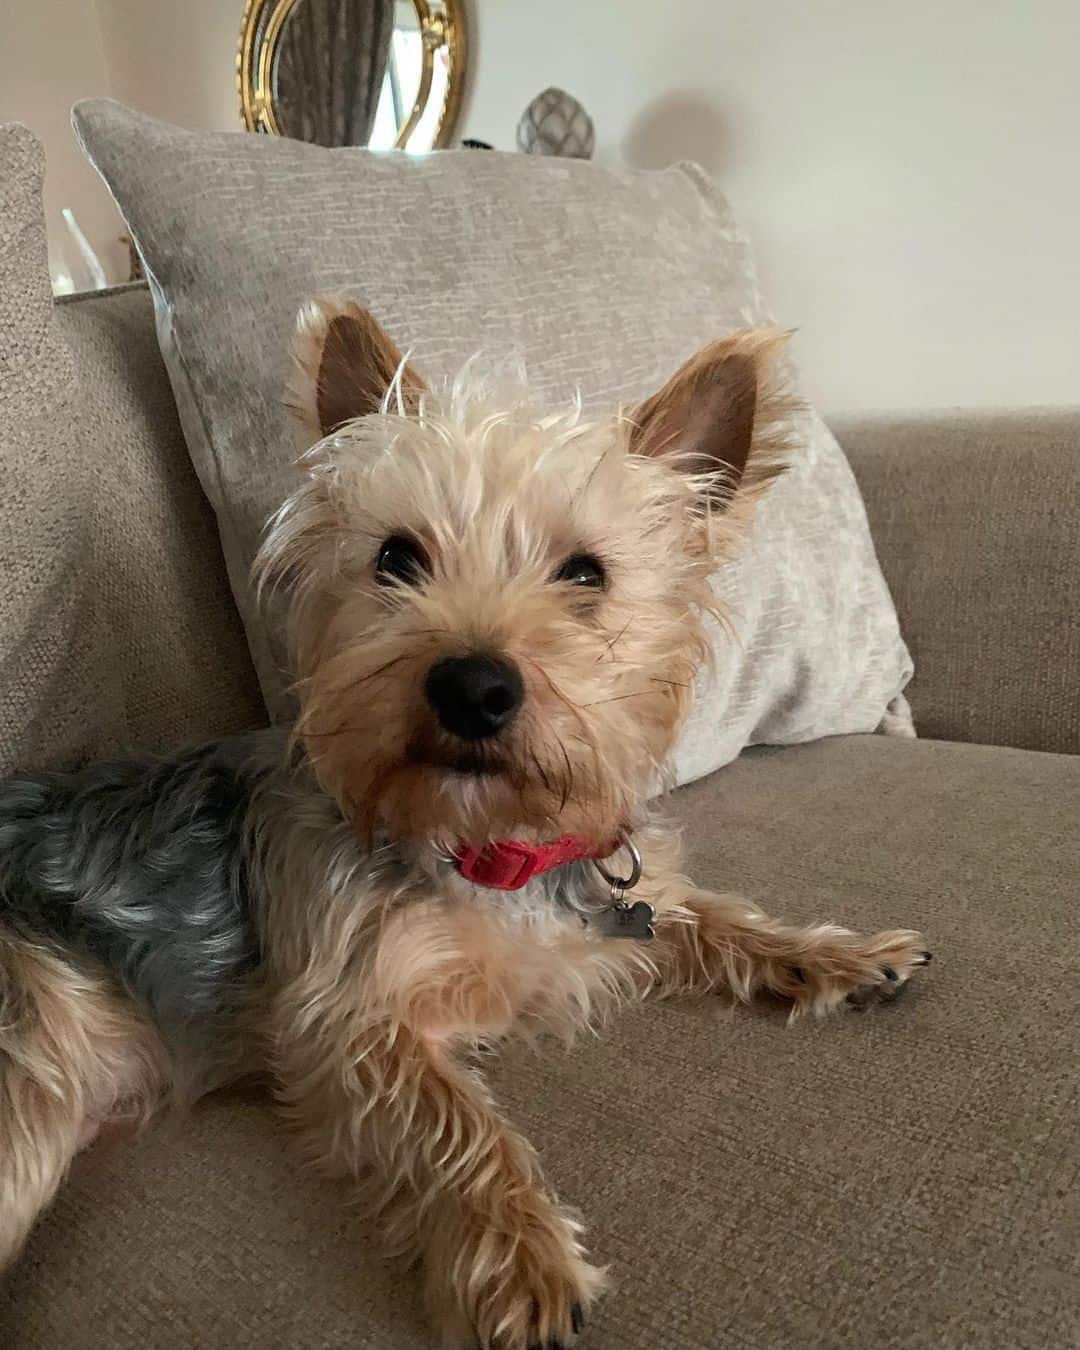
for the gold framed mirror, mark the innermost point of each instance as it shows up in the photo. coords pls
(388, 74)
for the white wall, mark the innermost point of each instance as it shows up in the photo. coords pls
(910, 173)
(50, 55)
(174, 58)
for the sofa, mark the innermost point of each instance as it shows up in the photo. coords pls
(903, 1177)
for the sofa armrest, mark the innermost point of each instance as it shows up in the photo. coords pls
(976, 519)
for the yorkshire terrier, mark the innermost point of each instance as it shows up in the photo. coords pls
(494, 618)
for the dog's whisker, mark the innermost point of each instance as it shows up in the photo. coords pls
(617, 698)
(564, 698)
(609, 647)
(568, 781)
(379, 670)
(340, 731)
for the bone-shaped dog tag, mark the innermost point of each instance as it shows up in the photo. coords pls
(628, 921)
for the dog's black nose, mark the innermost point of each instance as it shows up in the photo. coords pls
(474, 696)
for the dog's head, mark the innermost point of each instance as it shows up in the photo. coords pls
(496, 614)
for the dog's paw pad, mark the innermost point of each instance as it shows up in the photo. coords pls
(855, 972)
(866, 995)
(887, 980)
(537, 1298)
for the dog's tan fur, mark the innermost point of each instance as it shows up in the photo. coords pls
(73, 1053)
(375, 986)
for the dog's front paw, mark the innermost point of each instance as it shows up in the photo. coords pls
(511, 1281)
(842, 968)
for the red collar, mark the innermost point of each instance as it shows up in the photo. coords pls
(510, 863)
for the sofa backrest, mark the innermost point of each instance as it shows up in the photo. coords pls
(118, 628)
(974, 517)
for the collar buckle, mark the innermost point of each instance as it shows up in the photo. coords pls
(507, 868)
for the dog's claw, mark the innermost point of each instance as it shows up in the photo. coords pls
(868, 994)
(893, 992)
(577, 1321)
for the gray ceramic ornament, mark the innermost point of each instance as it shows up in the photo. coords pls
(555, 123)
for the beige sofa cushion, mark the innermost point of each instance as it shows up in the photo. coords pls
(904, 1177)
(116, 624)
(595, 278)
(974, 514)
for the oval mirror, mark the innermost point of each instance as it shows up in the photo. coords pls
(382, 73)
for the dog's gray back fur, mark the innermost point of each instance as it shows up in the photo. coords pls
(156, 868)
(144, 865)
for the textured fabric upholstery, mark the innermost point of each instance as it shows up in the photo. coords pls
(32, 364)
(185, 669)
(976, 519)
(596, 278)
(116, 623)
(905, 1177)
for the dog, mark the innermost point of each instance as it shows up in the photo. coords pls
(494, 618)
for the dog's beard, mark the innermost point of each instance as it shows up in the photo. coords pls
(451, 792)
(479, 759)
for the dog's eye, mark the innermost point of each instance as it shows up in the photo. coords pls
(400, 559)
(582, 570)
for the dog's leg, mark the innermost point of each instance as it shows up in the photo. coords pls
(71, 1050)
(712, 942)
(452, 1181)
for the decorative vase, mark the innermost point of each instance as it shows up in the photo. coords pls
(555, 123)
(73, 263)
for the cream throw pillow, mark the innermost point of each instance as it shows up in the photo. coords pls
(599, 280)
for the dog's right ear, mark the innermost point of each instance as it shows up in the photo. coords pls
(722, 417)
(343, 364)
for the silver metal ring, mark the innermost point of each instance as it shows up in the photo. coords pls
(620, 884)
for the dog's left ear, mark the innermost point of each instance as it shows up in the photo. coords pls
(344, 361)
(722, 417)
